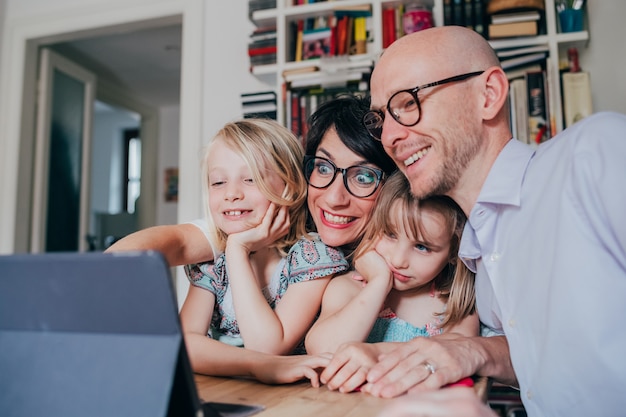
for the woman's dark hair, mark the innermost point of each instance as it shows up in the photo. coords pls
(345, 114)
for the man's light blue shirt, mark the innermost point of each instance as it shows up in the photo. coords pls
(547, 238)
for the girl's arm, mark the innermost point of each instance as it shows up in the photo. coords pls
(180, 244)
(262, 328)
(348, 313)
(212, 357)
(469, 326)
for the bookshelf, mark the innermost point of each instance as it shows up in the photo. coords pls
(285, 13)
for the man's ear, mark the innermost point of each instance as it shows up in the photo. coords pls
(496, 92)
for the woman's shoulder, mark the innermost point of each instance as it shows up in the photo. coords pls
(312, 250)
(310, 258)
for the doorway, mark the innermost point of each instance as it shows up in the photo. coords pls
(138, 72)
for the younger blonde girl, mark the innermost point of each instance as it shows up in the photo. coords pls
(411, 284)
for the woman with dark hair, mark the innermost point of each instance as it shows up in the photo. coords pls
(344, 169)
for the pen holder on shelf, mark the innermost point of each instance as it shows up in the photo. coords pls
(571, 20)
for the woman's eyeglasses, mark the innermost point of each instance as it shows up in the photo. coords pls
(360, 180)
(404, 106)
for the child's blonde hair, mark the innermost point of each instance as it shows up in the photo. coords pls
(455, 282)
(267, 147)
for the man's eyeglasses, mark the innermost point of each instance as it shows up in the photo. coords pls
(404, 106)
(360, 180)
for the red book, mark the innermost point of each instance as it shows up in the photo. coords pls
(333, 36)
(262, 50)
(342, 35)
(389, 26)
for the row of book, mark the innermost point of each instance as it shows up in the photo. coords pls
(531, 98)
(469, 13)
(262, 46)
(505, 23)
(254, 5)
(517, 23)
(260, 104)
(301, 103)
(343, 32)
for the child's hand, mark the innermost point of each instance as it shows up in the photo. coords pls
(274, 225)
(372, 267)
(348, 368)
(288, 369)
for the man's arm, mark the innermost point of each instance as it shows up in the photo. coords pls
(452, 356)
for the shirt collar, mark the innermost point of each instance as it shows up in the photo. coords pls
(504, 182)
(503, 186)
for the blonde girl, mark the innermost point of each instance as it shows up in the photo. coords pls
(263, 300)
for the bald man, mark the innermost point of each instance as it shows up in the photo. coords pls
(546, 233)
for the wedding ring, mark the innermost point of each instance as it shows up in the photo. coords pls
(429, 367)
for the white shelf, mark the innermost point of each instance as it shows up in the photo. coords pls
(285, 13)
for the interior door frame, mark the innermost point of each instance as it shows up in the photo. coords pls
(25, 35)
(49, 63)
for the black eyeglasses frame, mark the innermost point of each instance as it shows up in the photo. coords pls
(380, 175)
(413, 91)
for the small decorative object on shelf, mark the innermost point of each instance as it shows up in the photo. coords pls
(571, 15)
(416, 17)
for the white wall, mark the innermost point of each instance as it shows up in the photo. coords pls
(169, 124)
(605, 56)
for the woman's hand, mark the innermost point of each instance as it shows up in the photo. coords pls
(274, 225)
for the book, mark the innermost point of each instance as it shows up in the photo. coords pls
(523, 16)
(537, 106)
(523, 60)
(288, 73)
(260, 97)
(511, 52)
(577, 102)
(299, 35)
(360, 34)
(316, 43)
(507, 30)
(520, 72)
(480, 17)
(519, 107)
(389, 26)
(328, 80)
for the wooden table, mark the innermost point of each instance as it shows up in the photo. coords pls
(296, 400)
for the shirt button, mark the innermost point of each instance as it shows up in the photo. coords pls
(494, 257)
(512, 323)
(529, 394)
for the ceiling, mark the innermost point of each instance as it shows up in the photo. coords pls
(145, 62)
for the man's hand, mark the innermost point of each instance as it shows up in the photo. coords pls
(424, 363)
